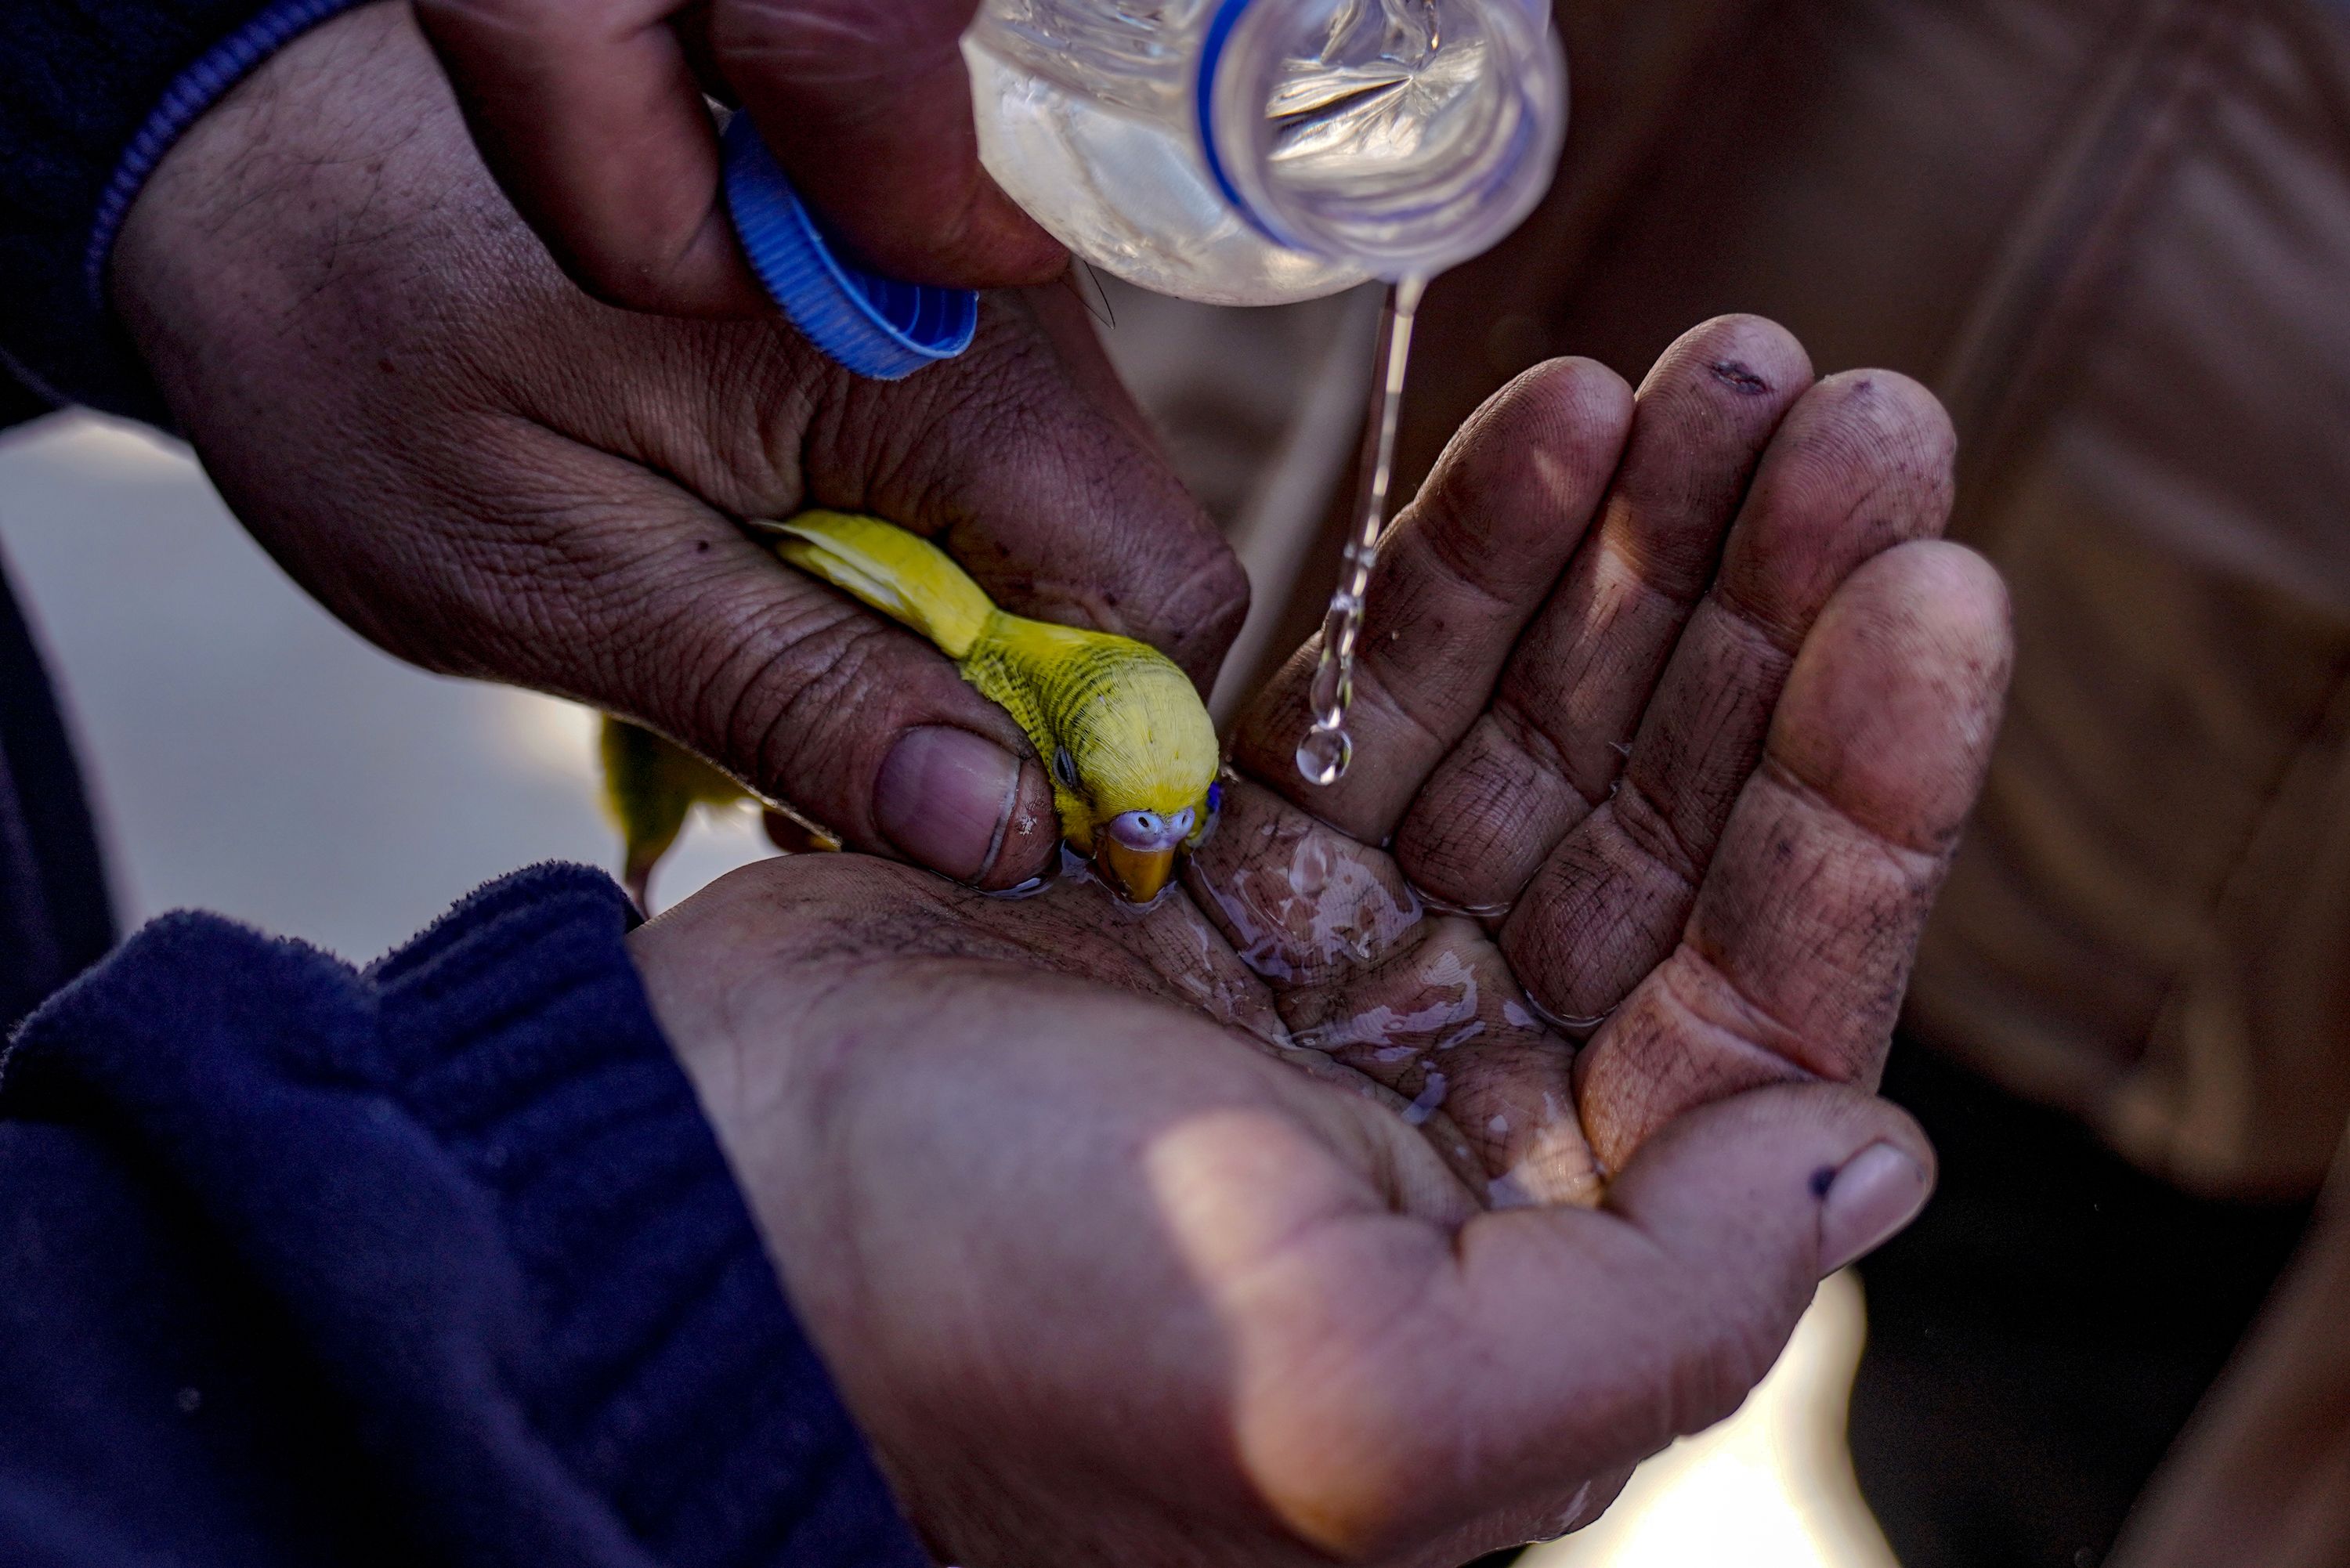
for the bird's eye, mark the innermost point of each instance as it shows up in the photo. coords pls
(1065, 766)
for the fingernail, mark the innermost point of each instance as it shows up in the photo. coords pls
(1879, 1191)
(944, 796)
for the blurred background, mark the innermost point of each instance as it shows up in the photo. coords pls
(2112, 236)
(249, 754)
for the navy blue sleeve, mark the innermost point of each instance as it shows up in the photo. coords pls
(93, 93)
(432, 1262)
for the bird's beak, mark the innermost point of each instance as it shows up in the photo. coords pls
(1138, 875)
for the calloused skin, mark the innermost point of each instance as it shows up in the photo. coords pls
(489, 473)
(591, 113)
(1110, 1228)
(1151, 1238)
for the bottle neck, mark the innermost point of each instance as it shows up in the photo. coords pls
(1403, 136)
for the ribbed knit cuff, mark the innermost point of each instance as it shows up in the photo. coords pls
(93, 94)
(672, 1375)
(478, 1185)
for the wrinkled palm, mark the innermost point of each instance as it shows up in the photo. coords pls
(1668, 719)
(1680, 704)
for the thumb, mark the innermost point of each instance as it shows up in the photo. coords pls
(590, 114)
(1015, 459)
(868, 104)
(604, 581)
(1654, 1316)
(817, 700)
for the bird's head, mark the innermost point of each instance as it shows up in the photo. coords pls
(1135, 778)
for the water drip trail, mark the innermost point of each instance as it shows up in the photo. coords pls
(1323, 753)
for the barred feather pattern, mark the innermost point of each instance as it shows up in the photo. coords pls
(1138, 738)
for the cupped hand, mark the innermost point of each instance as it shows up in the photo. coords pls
(591, 113)
(489, 473)
(1677, 694)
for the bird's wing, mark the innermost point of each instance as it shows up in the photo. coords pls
(907, 578)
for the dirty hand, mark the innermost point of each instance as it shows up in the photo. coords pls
(591, 113)
(1273, 1225)
(487, 473)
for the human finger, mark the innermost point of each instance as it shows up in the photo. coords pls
(1798, 949)
(866, 104)
(590, 116)
(1536, 1349)
(1860, 465)
(1010, 459)
(598, 580)
(1022, 459)
(1457, 577)
(1688, 1282)
(1550, 747)
(554, 503)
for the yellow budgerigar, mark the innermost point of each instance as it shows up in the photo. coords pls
(1133, 754)
(1132, 751)
(650, 785)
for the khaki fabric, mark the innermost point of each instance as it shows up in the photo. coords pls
(2151, 924)
(2262, 1476)
(2115, 236)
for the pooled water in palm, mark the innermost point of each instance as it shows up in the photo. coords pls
(1323, 753)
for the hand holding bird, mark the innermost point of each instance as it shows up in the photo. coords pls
(1641, 813)
(1669, 709)
(1133, 754)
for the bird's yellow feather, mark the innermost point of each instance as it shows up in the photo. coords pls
(907, 578)
(650, 784)
(1119, 722)
(1120, 726)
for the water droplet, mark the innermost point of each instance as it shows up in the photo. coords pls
(1424, 1104)
(1331, 693)
(1323, 755)
(1436, 906)
(1074, 868)
(1574, 1028)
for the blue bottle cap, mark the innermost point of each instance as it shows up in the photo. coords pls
(875, 325)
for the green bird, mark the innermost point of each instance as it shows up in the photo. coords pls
(1133, 754)
(650, 785)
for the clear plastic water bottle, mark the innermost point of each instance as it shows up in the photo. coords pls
(1259, 152)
